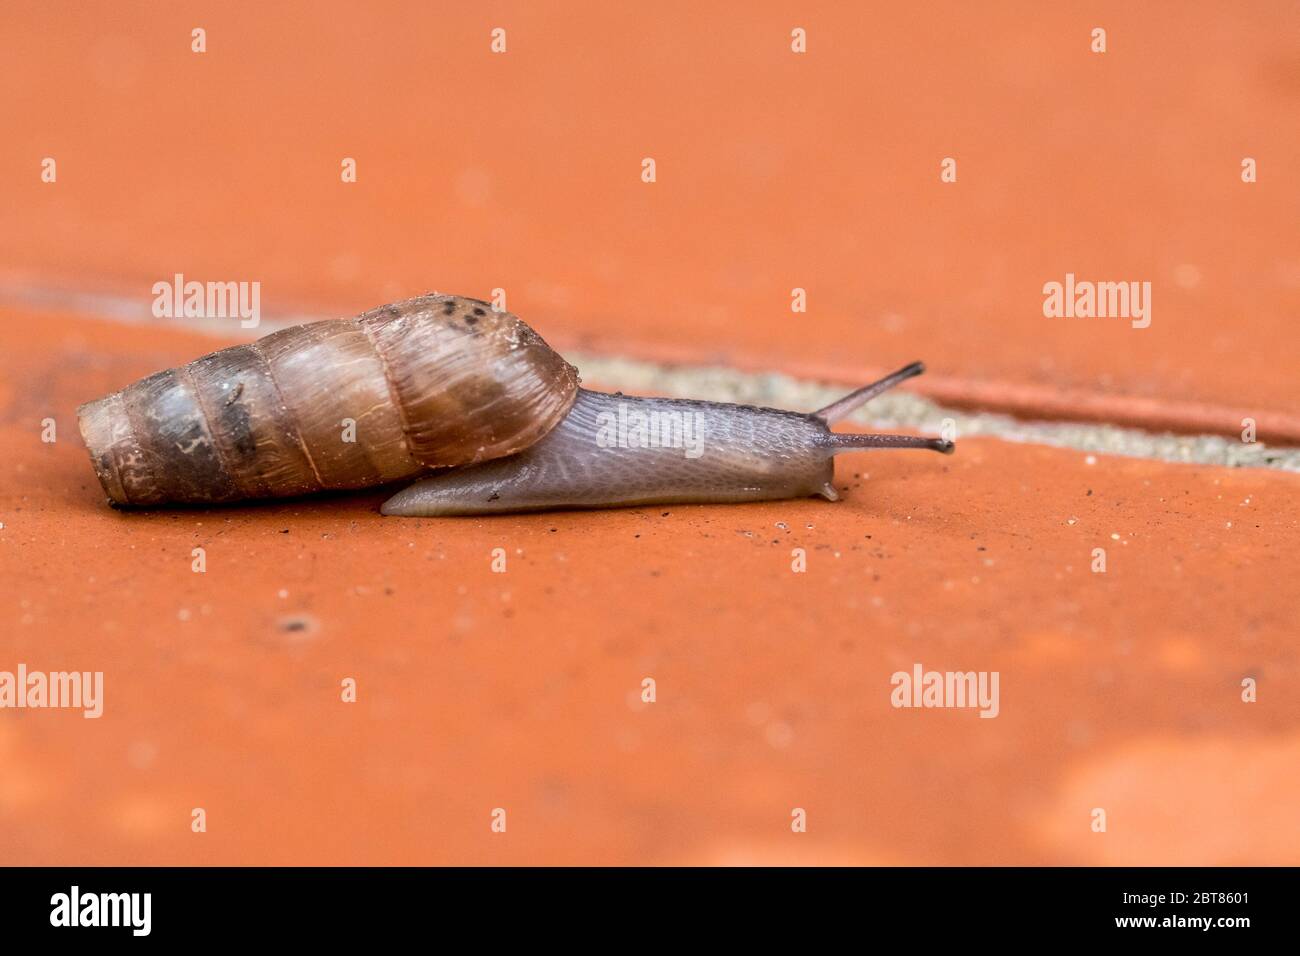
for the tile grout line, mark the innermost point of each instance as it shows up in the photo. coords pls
(897, 410)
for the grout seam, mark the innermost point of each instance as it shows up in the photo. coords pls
(901, 410)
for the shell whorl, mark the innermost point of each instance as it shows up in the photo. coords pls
(431, 382)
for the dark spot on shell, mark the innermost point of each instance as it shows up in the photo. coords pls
(237, 424)
(449, 308)
(473, 319)
(478, 311)
(392, 311)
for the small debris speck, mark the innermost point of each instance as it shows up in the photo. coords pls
(298, 625)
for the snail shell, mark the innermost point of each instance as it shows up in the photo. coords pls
(431, 382)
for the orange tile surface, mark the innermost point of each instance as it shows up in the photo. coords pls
(520, 690)
(775, 170)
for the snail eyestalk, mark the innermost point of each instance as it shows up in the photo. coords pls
(840, 409)
(845, 406)
(849, 442)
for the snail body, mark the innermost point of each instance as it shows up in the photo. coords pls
(447, 385)
(747, 454)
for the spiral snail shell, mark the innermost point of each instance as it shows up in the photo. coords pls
(448, 386)
(431, 382)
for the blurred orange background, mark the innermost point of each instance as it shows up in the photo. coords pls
(774, 170)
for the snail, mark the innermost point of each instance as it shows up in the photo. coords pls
(467, 396)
